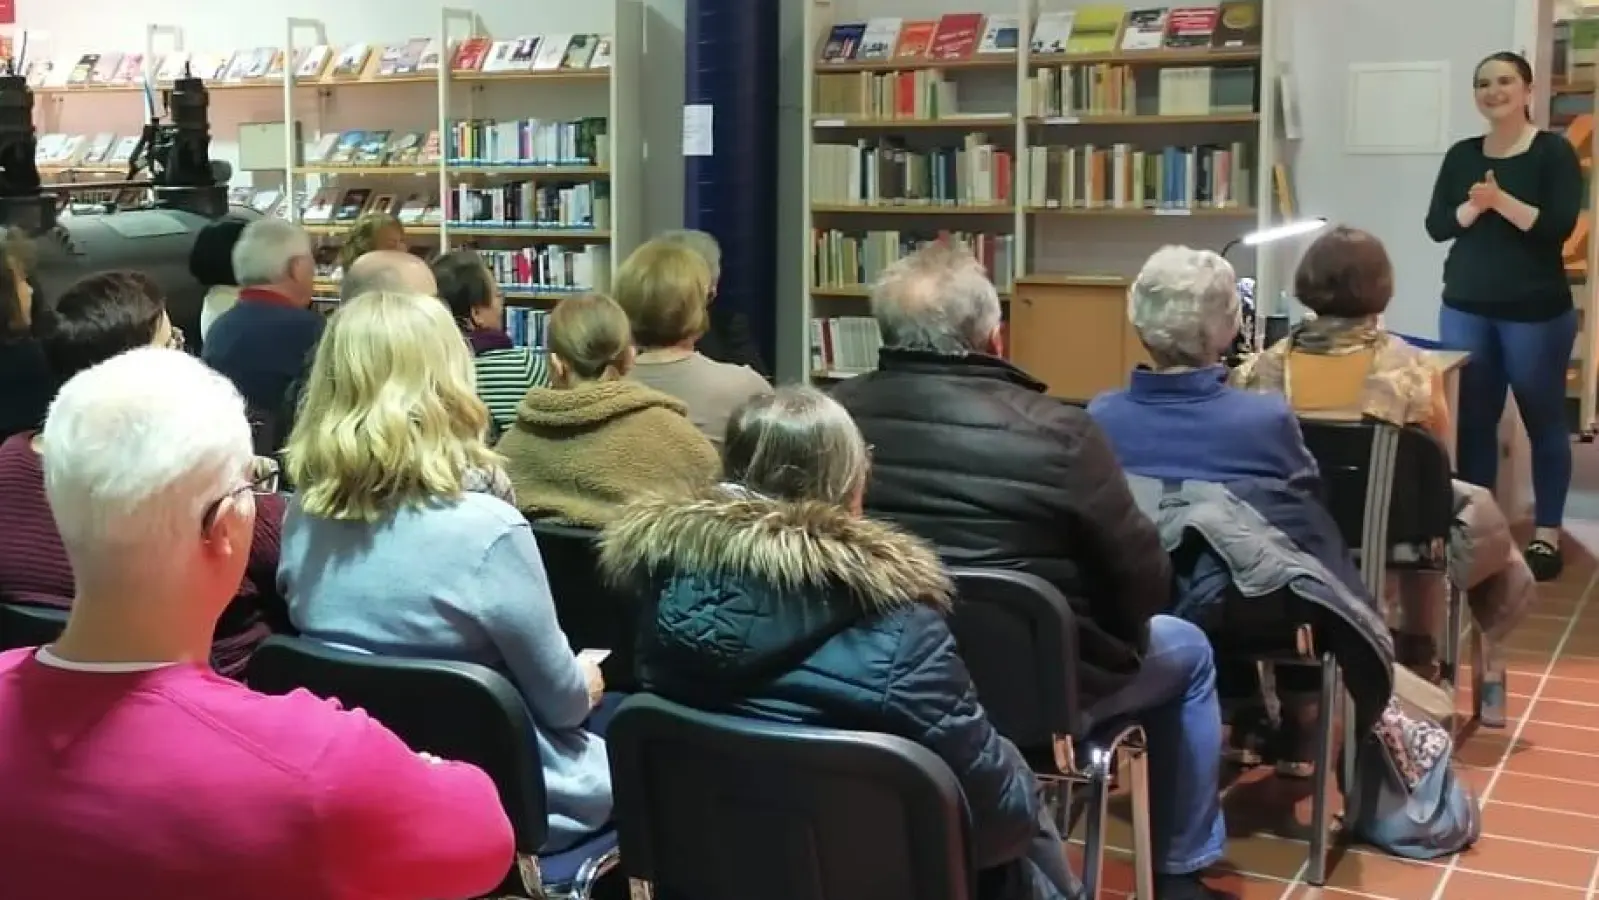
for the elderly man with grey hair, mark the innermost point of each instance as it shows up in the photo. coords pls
(265, 341)
(970, 453)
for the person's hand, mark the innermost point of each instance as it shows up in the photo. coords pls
(595, 680)
(1485, 194)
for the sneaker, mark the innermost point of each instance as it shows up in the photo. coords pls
(1544, 559)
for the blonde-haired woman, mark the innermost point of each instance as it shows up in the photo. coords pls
(398, 544)
(772, 596)
(665, 287)
(373, 231)
(595, 440)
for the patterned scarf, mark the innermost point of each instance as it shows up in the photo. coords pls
(492, 481)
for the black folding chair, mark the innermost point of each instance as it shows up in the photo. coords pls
(1018, 638)
(714, 807)
(1391, 492)
(592, 613)
(22, 625)
(457, 711)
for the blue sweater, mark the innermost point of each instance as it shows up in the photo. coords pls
(1192, 426)
(262, 345)
(460, 581)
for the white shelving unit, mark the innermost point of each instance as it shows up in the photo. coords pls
(554, 95)
(1097, 246)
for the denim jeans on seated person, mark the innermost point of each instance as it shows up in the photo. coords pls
(1173, 697)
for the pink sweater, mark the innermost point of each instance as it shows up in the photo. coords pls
(178, 783)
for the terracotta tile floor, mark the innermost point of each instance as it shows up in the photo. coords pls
(1537, 779)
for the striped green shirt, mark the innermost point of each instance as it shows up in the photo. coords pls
(504, 377)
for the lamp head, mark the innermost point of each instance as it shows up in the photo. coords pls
(1284, 231)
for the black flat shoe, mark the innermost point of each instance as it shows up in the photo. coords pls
(1544, 559)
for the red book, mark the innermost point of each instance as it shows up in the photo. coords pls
(915, 38)
(956, 37)
(470, 53)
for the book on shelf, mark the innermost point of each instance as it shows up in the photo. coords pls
(529, 142)
(550, 268)
(527, 327)
(373, 149)
(843, 260)
(1107, 89)
(976, 173)
(845, 345)
(522, 204)
(1122, 176)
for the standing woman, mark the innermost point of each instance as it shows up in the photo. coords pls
(1509, 200)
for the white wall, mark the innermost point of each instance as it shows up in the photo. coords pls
(78, 26)
(1387, 195)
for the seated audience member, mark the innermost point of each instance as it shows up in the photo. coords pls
(1342, 363)
(1179, 420)
(595, 440)
(505, 372)
(772, 597)
(971, 455)
(26, 383)
(727, 336)
(387, 271)
(211, 264)
(263, 343)
(129, 768)
(402, 538)
(372, 233)
(97, 318)
(665, 287)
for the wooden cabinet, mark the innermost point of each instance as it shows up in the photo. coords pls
(1072, 334)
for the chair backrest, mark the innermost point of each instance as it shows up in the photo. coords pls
(29, 626)
(453, 710)
(1018, 638)
(592, 613)
(713, 807)
(1385, 486)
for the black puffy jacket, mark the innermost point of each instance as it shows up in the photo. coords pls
(971, 454)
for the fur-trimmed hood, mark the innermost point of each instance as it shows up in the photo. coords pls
(790, 547)
(744, 588)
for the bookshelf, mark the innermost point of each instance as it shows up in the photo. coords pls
(541, 170)
(1570, 110)
(1074, 160)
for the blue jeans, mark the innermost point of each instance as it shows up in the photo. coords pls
(1530, 358)
(1173, 697)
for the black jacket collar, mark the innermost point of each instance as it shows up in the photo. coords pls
(968, 365)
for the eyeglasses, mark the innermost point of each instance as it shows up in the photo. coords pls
(264, 477)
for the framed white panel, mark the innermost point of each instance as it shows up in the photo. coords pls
(1398, 108)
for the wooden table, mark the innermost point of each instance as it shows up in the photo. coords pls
(1514, 488)
(1449, 363)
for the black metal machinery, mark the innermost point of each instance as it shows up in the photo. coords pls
(172, 161)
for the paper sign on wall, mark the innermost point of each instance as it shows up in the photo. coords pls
(697, 140)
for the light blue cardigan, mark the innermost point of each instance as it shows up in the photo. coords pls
(460, 581)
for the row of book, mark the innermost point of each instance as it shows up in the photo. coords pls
(1121, 90)
(417, 56)
(910, 94)
(850, 260)
(520, 142)
(1090, 28)
(536, 142)
(550, 269)
(522, 204)
(528, 326)
(845, 345)
(63, 151)
(1122, 176)
(869, 174)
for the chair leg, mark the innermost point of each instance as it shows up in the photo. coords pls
(1058, 797)
(1453, 622)
(1350, 756)
(1321, 821)
(1098, 812)
(1143, 844)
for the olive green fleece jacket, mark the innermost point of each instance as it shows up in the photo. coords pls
(576, 455)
